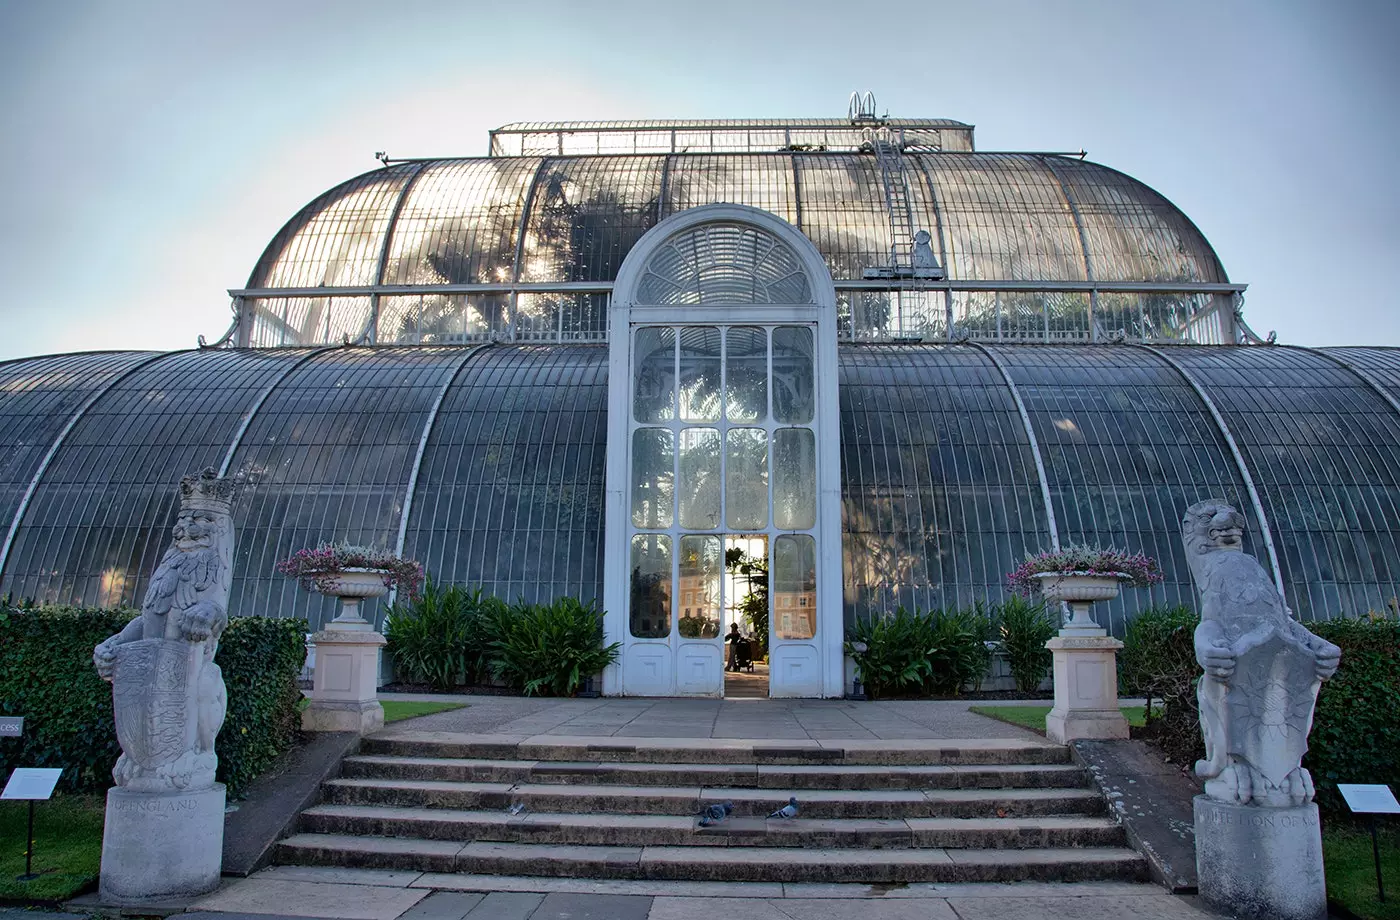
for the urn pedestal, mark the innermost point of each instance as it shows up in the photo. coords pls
(1085, 662)
(344, 692)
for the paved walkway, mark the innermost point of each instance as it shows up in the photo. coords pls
(362, 894)
(814, 720)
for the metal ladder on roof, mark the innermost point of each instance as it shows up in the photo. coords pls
(897, 204)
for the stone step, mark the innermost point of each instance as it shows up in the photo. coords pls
(688, 800)
(759, 864)
(607, 749)
(761, 776)
(681, 830)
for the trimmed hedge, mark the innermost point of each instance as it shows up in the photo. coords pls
(1356, 730)
(47, 676)
(1356, 727)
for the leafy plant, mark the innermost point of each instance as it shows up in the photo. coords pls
(317, 569)
(441, 636)
(549, 649)
(1135, 569)
(1024, 627)
(47, 676)
(938, 652)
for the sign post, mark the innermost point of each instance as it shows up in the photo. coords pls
(1371, 800)
(34, 784)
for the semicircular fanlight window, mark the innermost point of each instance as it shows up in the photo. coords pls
(723, 263)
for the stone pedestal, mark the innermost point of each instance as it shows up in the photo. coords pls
(160, 846)
(1086, 688)
(344, 695)
(1260, 863)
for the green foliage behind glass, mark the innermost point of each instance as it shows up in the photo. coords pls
(47, 676)
(1024, 627)
(549, 649)
(441, 638)
(920, 653)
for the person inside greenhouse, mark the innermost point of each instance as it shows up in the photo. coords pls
(739, 654)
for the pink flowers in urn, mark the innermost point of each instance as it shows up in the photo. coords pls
(1133, 569)
(319, 569)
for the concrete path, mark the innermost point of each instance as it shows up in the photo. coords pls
(360, 894)
(813, 720)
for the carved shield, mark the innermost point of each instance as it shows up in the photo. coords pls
(1270, 705)
(153, 698)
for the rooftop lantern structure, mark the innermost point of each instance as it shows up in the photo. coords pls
(926, 238)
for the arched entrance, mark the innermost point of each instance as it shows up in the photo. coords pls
(722, 431)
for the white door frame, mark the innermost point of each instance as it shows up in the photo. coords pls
(825, 651)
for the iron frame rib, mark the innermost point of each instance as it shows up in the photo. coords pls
(1051, 523)
(1240, 463)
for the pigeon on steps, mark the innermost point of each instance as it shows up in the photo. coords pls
(787, 811)
(714, 814)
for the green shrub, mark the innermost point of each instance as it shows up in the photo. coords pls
(1158, 652)
(958, 649)
(937, 652)
(47, 676)
(1024, 628)
(1356, 730)
(440, 638)
(548, 649)
(261, 658)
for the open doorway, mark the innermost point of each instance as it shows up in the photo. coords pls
(746, 615)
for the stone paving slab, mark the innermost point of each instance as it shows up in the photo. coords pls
(794, 720)
(279, 894)
(263, 895)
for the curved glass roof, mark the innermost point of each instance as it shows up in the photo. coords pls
(941, 493)
(559, 220)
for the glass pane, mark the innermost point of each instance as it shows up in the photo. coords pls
(654, 394)
(746, 374)
(651, 586)
(794, 392)
(699, 478)
(699, 588)
(746, 478)
(699, 388)
(653, 492)
(794, 479)
(794, 586)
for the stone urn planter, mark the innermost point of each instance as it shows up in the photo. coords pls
(1080, 590)
(352, 586)
(1084, 654)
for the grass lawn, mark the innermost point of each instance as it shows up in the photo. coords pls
(1033, 717)
(67, 847)
(394, 710)
(1351, 869)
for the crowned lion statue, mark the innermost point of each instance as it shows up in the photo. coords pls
(1262, 667)
(168, 695)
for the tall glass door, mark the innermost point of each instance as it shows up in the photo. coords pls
(722, 442)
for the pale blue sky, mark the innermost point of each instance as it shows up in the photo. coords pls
(153, 149)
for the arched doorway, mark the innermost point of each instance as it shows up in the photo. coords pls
(722, 428)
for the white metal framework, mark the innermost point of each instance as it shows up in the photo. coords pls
(722, 424)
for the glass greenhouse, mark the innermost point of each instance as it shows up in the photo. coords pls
(601, 357)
